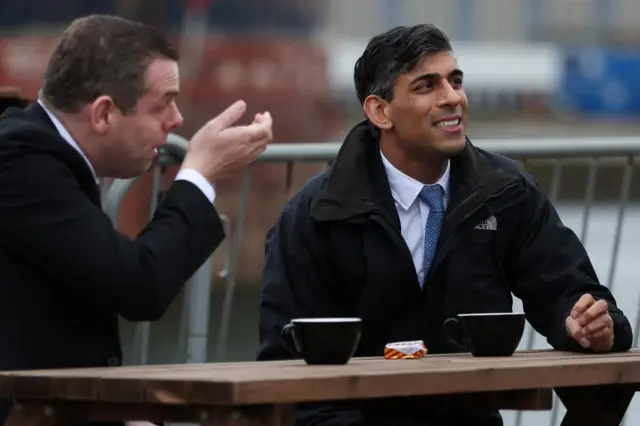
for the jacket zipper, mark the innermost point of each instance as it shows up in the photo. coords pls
(380, 217)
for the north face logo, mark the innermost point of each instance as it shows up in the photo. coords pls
(489, 224)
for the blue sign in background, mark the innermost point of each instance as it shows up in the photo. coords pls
(602, 82)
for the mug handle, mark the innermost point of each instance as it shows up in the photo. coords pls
(451, 328)
(289, 339)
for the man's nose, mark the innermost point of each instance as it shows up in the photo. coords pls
(176, 119)
(449, 96)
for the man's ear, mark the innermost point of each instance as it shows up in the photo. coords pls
(100, 113)
(377, 111)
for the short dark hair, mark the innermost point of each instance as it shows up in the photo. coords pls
(392, 53)
(103, 55)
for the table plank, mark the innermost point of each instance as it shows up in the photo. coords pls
(294, 381)
(57, 413)
(146, 370)
(108, 411)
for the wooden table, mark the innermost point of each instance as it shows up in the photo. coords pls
(596, 389)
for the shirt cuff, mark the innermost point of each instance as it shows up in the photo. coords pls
(198, 180)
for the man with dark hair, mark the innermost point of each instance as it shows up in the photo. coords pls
(107, 105)
(413, 224)
(79, 68)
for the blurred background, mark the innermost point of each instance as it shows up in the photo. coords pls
(535, 70)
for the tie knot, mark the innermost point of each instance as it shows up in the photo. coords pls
(432, 195)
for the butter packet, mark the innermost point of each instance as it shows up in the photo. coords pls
(405, 350)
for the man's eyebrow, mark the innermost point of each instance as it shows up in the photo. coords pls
(170, 94)
(434, 75)
(425, 77)
(456, 73)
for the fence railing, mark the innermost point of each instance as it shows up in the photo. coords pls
(591, 155)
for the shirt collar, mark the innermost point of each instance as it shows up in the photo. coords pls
(64, 133)
(405, 189)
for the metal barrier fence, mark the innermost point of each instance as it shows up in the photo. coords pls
(590, 153)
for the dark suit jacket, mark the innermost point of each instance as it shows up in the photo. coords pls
(65, 273)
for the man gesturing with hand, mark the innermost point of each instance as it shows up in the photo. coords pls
(106, 106)
(232, 147)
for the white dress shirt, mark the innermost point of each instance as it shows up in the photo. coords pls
(412, 211)
(190, 175)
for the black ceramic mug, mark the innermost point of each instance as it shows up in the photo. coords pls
(486, 334)
(323, 340)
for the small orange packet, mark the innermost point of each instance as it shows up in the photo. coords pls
(405, 350)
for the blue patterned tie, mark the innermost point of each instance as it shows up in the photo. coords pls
(432, 195)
